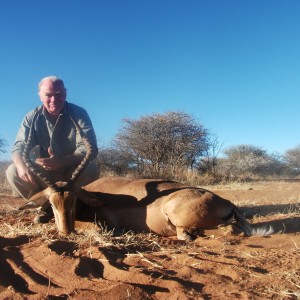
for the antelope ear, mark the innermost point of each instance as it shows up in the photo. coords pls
(36, 200)
(89, 198)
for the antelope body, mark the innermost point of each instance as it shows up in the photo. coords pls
(164, 207)
(144, 205)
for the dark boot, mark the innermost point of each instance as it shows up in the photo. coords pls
(44, 216)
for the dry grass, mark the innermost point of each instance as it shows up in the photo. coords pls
(226, 266)
(15, 223)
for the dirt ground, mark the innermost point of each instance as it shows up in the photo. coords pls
(219, 265)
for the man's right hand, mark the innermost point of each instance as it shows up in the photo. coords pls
(23, 171)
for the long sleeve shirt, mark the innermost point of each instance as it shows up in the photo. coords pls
(62, 138)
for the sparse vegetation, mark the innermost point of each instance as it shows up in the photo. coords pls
(3, 144)
(217, 265)
(175, 146)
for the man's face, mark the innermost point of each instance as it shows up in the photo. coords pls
(53, 96)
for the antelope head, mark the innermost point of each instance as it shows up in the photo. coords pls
(61, 195)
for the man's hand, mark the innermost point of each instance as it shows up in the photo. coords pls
(54, 162)
(51, 163)
(23, 171)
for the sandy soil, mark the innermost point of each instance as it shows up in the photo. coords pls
(38, 265)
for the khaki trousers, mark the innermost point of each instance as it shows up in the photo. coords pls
(27, 189)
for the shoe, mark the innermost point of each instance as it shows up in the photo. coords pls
(44, 216)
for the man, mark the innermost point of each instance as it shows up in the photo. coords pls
(60, 148)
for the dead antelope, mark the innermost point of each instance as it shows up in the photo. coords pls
(147, 205)
(164, 207)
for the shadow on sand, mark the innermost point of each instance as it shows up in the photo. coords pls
(287, 222)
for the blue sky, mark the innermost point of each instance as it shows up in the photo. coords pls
(234, 65)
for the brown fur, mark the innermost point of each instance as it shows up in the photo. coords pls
(144, 205)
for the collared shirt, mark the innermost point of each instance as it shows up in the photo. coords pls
(62, 137)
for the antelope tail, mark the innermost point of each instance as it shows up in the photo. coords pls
(248, 228)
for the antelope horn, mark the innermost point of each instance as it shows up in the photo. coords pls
(85, 161)
(34, 168)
